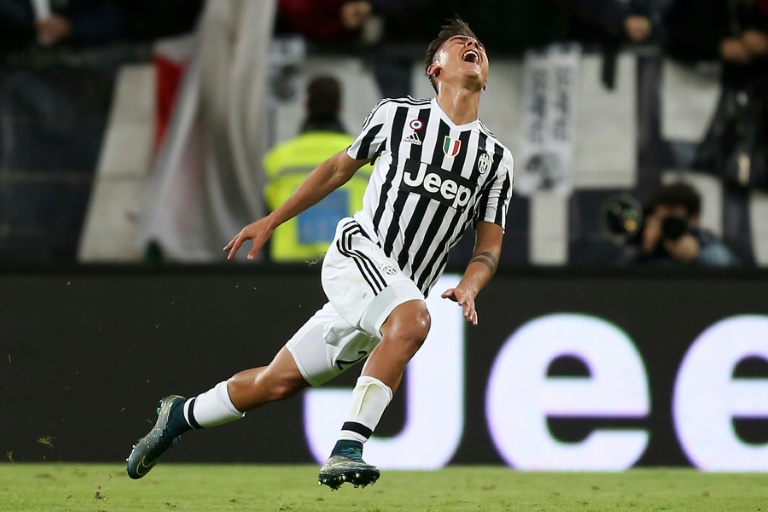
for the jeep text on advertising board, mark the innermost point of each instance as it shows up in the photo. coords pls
(566, 369)
(521, 397)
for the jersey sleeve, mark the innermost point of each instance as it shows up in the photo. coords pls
(494, 201)
(374, 133)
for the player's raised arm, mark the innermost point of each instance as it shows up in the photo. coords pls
(482, 266)
(324, 179)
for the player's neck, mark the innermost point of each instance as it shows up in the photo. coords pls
(459, 104)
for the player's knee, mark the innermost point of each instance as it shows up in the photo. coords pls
(421, 325)
(410, 328)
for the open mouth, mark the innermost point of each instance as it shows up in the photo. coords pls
(471, 56)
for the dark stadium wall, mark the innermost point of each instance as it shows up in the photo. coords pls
(565, 371)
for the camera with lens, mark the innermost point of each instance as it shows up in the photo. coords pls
(673, 227)
(621, 219)
(665, 230)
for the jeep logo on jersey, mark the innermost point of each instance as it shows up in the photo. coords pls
(430, 181)
(451, 146)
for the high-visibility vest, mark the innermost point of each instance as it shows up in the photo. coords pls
(307, 236)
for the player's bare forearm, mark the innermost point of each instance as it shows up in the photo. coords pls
(324, 179)
(480, 270)
(485, 258)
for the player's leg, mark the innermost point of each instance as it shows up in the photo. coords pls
(404, 332)
(227, 401)
(369, 291)
(300, 363)
(280, 380)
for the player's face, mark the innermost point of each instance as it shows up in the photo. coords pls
(464, 56)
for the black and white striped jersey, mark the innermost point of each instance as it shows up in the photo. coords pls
(432, 179)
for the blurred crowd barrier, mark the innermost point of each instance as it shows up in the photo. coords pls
(156, 153)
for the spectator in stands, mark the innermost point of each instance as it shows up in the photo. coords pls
(95, 22)
(736, 33)
(602, 21)
(323, 20)
(507, 28)
(671, 234)
(735, 148)
(84, 22)
(407, 29)
(306, 237)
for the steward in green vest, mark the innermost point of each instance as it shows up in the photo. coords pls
(306, 237)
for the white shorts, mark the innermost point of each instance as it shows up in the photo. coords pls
(363, 287)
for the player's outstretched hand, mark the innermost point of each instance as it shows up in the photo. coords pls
(258, 231)
(466, 300)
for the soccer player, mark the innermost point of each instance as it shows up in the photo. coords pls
(437, 171)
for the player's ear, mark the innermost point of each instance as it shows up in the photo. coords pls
(433, 70)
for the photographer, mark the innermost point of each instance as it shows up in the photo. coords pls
(671, 234)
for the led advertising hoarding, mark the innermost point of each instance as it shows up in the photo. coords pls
(564, 372)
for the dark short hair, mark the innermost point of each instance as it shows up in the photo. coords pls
(678, 194)
(323, 98)
(453, 27)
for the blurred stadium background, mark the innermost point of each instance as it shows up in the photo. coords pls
(131, 150)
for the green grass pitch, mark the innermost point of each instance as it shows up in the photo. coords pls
(212, 488)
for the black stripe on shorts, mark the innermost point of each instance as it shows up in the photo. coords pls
(364, 264)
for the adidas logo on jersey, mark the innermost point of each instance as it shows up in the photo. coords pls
(436, 183)
(413, 139)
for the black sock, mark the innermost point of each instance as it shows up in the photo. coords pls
(177, 423)
(345, 444)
